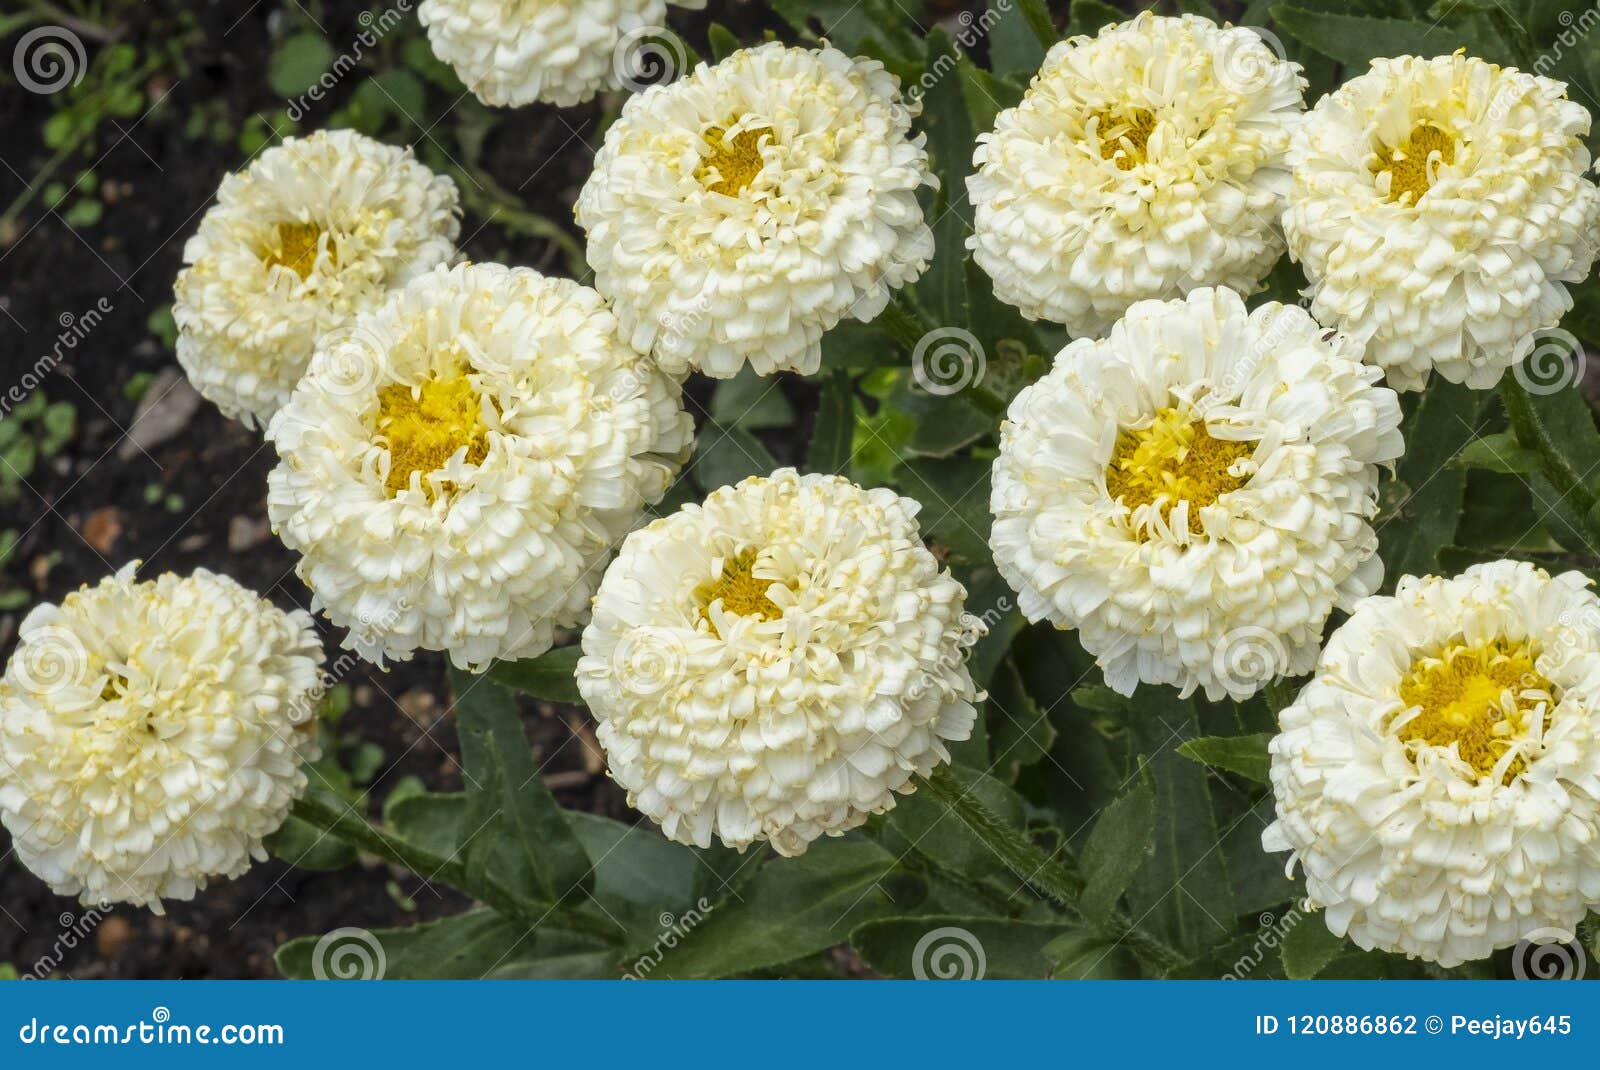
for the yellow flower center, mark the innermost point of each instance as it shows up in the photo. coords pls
(1412, 165)
(1173, 459)
(1125, 136)
(739, 590)
(426, 424)
(1479, 696)
(733, 163)
(296, 248)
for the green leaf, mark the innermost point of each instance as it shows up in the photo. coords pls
(751, 401)
(723, 42)
(1081, 956)
(1021, 32)
(1308, 947)
(958, 948)
(297, 62)
(1245, 755)
(726, 455)
(793, 907)
(1184, 886)
(951, 137)
(548, 676)
(1355, 40)
(465, 947)
(1020, 731)
(1091, 16)
(941, 834)
(1409, 538)
(954, 493)
(1497, 453)
(834, 426)
(507, 794)
(1122, 839)
(307, 847)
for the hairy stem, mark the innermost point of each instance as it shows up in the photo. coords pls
(1532, 434)
(343, 822)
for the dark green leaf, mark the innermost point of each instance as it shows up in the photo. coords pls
(468, 947)
(951, 137)
(793, 907)
(1020, 33)
(1122, 839)
(1245, 755)
(506, 793)
(307, 847)
(1497, 453)
(1355, 40)
(1409, 538)
(835, 425)
(723, 42)
(726, 455)
(1308, 947)
(548, 676)
(751, 401)
(1020, 731)
(942, 947)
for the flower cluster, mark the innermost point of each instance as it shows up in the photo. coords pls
(468, 455)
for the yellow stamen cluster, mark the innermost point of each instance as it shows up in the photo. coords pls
(425, 425)
(1412, 165)
(733, 163)
(1125, 136)
(1173, 459)
(739, 590)
(296, 248)
(1479, 696)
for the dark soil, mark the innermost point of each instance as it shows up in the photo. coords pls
(174, 505)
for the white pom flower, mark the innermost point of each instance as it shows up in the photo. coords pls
(737, 214)
(1439, 778)
(311, 233)
(1438, 209)
(151, 734)
(777, 663)
(561, 52)
(456, 469)
(1193, 493)
(1141, 163)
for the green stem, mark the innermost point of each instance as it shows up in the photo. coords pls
(906, 324)
(1532, 434)
(1039, 870)
(346, 824)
